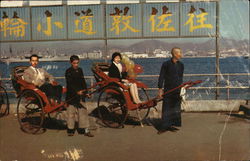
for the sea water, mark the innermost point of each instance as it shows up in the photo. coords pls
(151, 66)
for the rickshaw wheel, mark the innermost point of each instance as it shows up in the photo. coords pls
(30, 112)
(4, 102)
(140, 115)
(111, 107)
(143, 95)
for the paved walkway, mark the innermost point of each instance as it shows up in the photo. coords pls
(204, 136)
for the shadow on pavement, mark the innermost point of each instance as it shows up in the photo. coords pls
(131, 120)
(155, 122)
(54, 124)
(240, 116)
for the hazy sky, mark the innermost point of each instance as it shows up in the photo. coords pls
(234, 19)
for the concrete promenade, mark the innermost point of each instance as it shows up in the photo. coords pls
(203, 136)
(188, 106)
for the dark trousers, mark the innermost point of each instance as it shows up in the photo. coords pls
(54, 92)
(171, 111)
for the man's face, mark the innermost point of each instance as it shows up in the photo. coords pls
(75, 64)
(34, 61)
(177, 54)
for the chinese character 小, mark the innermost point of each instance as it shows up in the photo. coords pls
(48, 32)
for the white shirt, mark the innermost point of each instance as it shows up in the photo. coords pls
(119, 66)
(39, 75)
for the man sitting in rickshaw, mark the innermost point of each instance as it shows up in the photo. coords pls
(43, 80)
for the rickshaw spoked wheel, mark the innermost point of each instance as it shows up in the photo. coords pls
(111, 107)
(143, 95)
(4, 102)
(140, 115)
(30, 112)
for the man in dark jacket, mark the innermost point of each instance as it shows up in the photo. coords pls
(171, 76)
(75, 97)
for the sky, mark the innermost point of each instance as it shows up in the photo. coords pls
(234, 19)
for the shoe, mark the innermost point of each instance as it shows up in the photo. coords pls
(138, 101)
(161, 131)
(88, 134)
(177, 124)
(81, 131)
(172, 129)
(70, 132)
(85, 132)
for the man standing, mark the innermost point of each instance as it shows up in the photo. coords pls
(171, 76)
(75, 97)
(43, 80)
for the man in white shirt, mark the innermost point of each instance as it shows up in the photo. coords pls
(43, 80)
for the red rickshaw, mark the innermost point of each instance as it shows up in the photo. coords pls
(114, 101)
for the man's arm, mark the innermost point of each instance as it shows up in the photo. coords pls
(49, 77)
(28, 75)
(84, 84)
(182, 71)
(70, 82)
(162, 75)
(161, 79)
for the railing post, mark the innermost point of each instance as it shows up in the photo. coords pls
(228, 87)
(104, 5)
(217, 68)
(91, 84)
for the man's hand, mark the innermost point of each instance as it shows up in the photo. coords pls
(125, 81)
(54, 83)
(88, 95)
(80, 92)
(160, 93)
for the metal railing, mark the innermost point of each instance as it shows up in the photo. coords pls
(225, 81)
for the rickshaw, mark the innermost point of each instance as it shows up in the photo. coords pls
(33, 104)
(113, 104)
(115, 101)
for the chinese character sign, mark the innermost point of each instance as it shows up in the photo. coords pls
(161, 19)
(198, 19)
(141, 20)
(48, 23)
(123, 20)
(85, 22)
(14, 24)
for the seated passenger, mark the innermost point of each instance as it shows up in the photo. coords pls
(43, 80)
(116, 71)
